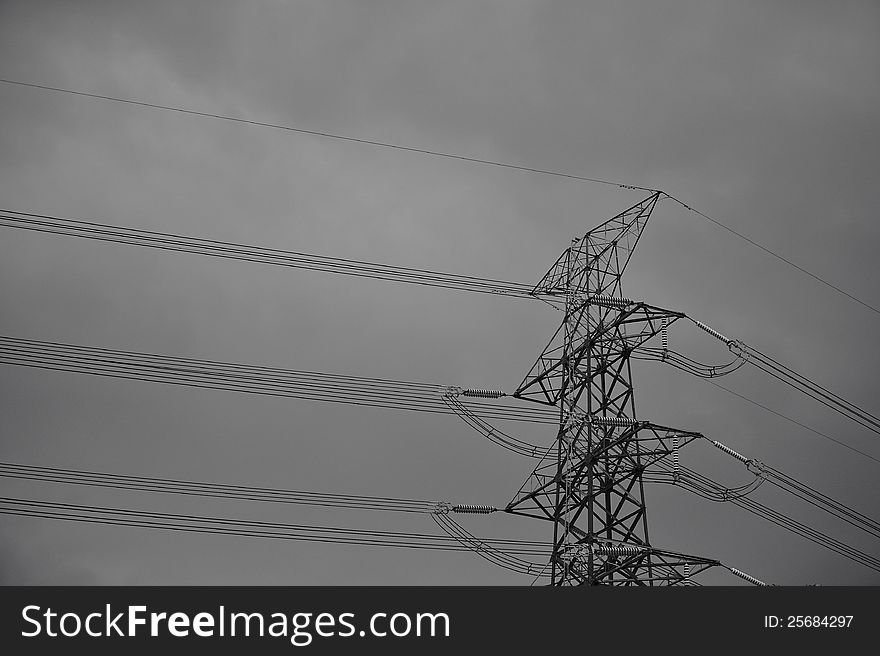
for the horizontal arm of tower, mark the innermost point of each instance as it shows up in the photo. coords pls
(620, 564)
(632, 448)
(618, 333)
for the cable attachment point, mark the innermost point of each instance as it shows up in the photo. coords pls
(617, 549)
(575, 418)
(616, 302)
(745, 577)
(451, 391)
(756, 467)
(483, 394)
(676, 469)
(664, 338)
(441, 508)
(473, 509)
(711, 331)
(612, 421)
(731, 452)
(739, 349)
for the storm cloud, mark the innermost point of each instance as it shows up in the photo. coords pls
(763, 115)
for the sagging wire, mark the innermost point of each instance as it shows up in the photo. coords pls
(804, 492)
(485, 550)
(450, 398)
(707, 488)
(799, 382)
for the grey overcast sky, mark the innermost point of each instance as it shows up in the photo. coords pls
(762, 114)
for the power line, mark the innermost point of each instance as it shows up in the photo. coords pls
(796, 381)
(166, 241)
(708, 489)
(711, 490)
(744, 354)
(822, 501)
(446, 155)
(687, 364)
(487, 549)
(499, 552)
(216, 490)
(814, 497)
(260, 380)
(515, 564)
(329, 135)
(227, 250)
(814, 390)
(362, 391)
(709, 372)
(255, 529)
(774, 254)
(151, 239)
(794, 421)
(493, 433)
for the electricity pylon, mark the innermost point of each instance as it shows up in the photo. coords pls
(590, 483)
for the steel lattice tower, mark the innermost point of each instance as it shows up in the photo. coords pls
(589, 483)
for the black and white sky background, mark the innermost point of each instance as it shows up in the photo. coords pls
(763, 114)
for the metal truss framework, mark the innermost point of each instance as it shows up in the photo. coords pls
(590, 486)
